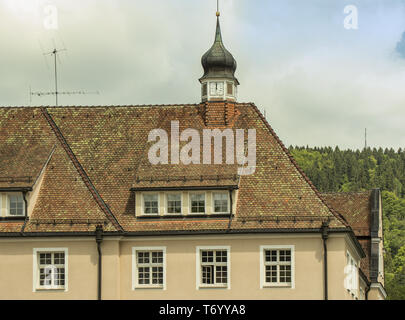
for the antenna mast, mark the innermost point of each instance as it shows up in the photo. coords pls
(56, 92)
(365, 138)
(55, 52)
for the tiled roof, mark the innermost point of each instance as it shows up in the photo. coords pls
(355, 207)
(101, 153)
(26, 143)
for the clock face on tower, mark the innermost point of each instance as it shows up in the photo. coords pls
(216, 88)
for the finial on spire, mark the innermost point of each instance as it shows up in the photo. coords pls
(218, 13)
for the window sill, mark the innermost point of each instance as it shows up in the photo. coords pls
(213, 286)
(277, 285)
(50, 289)
(160, 287)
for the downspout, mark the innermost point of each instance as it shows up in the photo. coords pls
(26, 211)
(367, 290)
(99, 240)
(325, 235)
(230, 209)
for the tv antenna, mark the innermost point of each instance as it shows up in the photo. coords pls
(56, 93)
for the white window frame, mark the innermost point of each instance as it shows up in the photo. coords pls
(200, 285)
(143, 204)
(167, 203)
(135, 284)
(8, 205)
(205, 203)
(213, 202)
(352, 275)
(263, 283)
(35, 275)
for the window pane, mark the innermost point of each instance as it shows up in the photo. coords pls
(285, 255)
(220, 202)
(143, 275)
(197, 202)
(207, 256)
(174, 203)
(157, 257)
(16, 205)
(271, 274)
(221, 256)
(151, 203)
(157, 275)
(221, 274)
(285, 274)
(207, 275)
(143, 257)
(271, 255)
(59, 258)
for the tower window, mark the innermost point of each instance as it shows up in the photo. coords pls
(229, 88)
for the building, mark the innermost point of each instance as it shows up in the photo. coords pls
(86, 214)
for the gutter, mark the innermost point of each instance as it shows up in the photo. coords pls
(99, 240)
(325, 235)
(167, 233)
(16, 189)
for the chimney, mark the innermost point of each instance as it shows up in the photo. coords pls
(219, 113)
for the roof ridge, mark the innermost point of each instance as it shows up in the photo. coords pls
(86, 179)
(291, 158)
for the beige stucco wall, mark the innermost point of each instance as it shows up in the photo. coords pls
(16, 267)
(244, 265)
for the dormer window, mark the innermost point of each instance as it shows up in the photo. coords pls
(197, 203)
(151, 203)
(182, 203)
(174, 203)
(221, 202)
(16, 205)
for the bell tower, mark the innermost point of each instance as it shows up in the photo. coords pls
(218, 82)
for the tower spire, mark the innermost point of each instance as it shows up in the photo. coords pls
(219, 81)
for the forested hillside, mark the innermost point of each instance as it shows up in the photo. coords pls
(346, 170)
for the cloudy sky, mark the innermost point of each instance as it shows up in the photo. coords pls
(320, 83)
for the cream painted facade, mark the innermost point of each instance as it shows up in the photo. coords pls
(17, 276)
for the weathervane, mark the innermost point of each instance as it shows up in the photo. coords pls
(218, 14)
(56, 92)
